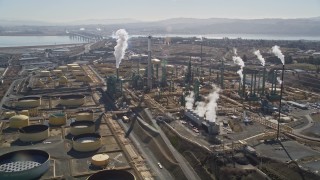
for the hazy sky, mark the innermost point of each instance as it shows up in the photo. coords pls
(69, 10)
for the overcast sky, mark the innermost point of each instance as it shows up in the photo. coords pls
(148, 10)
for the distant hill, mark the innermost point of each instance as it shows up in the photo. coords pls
(300, 26)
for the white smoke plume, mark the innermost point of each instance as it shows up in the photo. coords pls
(207, 107)
(276, 51)
(190, 100)
(235, 51)
(237, 60)
(259, 56)
(201, 108)
(279, 80)
(212, 105)
(122, 44)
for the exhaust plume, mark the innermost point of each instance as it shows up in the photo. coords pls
(200, 108)
(276, 51)
(259, 56)
(212, 105)
(279, 80)
(209, 106)
(122, 44)
(237, 60)
(235, 51)
(190, 100)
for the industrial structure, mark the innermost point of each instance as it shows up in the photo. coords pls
(168, 111)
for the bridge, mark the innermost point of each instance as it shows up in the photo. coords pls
(85, 36)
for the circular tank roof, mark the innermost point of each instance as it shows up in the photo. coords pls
(33, 128)
(84, 138)
(73, 96)
(19, 118)
(24, 164)
(29, 98)
(112, 175)
(82, 124)
(57, 115)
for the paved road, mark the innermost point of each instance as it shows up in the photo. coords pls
(148, 155)
(298, 132)
(9, 91)
(185, 166)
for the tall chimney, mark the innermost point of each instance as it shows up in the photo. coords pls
(149, 82)
(117, 74)
(263, 80)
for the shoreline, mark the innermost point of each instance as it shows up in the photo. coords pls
(40, 46)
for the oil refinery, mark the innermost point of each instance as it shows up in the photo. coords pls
(160, 108)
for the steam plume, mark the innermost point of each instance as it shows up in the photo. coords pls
(200, 108)
(237, 60)
(235, 51)
(209, 106)
(190, 100)
(212, 105)
(276, 51)
(259, 56)
(279, 80)
(122, 44)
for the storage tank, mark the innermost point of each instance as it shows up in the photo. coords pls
(112, 175)
(57, 72)
(18, 121)
(86, 142)
(84, 116)
(100, 160)
(9, 114)
(82, 127)
(63, 81)
(75, 67)
(24, 164)
(73, 100)
(83, 78)
(156, 61)
(33, 112)
(29, 102)
(57, 119)
(34, 133)
(24, 112)
(70, 65)
(44, 73)
(77, 72)
(63, 68)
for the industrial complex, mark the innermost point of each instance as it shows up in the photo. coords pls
(159, 108)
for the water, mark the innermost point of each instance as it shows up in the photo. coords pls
(15, 41)
(242, 36)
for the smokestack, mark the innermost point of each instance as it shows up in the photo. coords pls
(251, 85)
(278, 132)
(254, 83)
(263, 80)
(275, 82)
(201, 57)
(117, 74)
(149, 82)
(243, 85)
